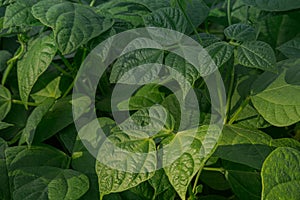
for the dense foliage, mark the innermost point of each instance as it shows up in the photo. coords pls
(254, 43)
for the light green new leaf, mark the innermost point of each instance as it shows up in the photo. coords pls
(19, 14)
(73, 24)
(36, 60)
(256, 54)
(185, 153)
(170, 18)
(240, 32)
(34, 119)
(275, 99)
(244, 146)
(274, 5)
(50, 91)
(5, 102)
(281, 175)
(49, 183)
(220, 52)
(291, 49)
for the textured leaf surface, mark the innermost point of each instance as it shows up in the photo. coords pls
(240, 32)
(171, 18)
(49, 183)
(50, 91)
(275, 99)
(4, 181)
(244, 146)
(220, 52)
(73, 24)
(34, 119)
(274, 5)
(185, 154)
(257, 55)
(291, 49)
(281, 174)
(4, 57)
(5, 102)
(36, 60)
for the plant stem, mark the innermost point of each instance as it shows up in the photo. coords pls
(61, 69)
(65, 61)
(69, 89)
(229, 96)
(92, 3)
(214, 169)
(24, 103)
(189, 21)
(12, 61)
(197, 178)
(239, 110)
(229, 12)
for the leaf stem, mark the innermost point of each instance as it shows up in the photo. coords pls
(229, 12)
(189, 21)
(65, 61)
(197, 178)
(239, 110)
(92, 3)
(24, 103)
(12, 61)
(69, 89)
(214, 169)
(59, 68)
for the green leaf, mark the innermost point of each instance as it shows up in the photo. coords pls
(18, 14)
(4, 125)
(4, 180)
(240, 32)
(4, 57)
(280, 175)
(256, 55)
(276, 100)
(133, 59)
(184, 155)
(50, 91)
(34, 119)
(143, 191)
(36, 60)
(56, 119)
(49, 183)
(286, 142)
(134, 157)
(291, 49)
(73, 24)
(215, 180)
(170, 18)
(220, 52)
(274, 5)
(5, 102)
(244, 146)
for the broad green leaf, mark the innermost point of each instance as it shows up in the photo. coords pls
(170, 18)
(240, 32)
(276, 100)
(4, 125)
(56, 119)
(256, 54)
(5, 102)
(181, 66)
(49, 183)
(143, 191)
(145, 97)
(133, 59)
(280, 175)
(34, 119)
(50, 91)
(185, 153)
(244, 146)
(206, 39)
(291, 49)
(6, 2)
(4, 57)
(18, 14)
(245, 181)
(286, 142)
(197, 11)
(4, 181)
(220, 52)
(133, 154)
(215, 180)
(161, 185)
(274, 5)
(73, 24)
(36, 60)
